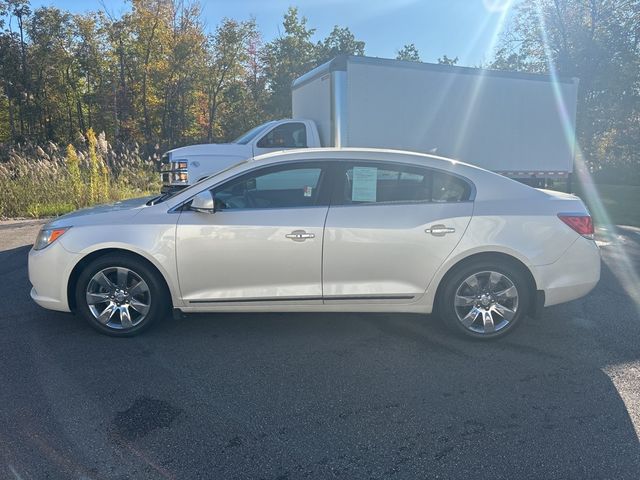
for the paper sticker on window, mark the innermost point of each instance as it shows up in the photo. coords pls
(308, 191)
(365, 181)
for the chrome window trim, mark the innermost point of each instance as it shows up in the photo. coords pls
(472, 193)
(305, 298)
(236, 210)
(407, 202)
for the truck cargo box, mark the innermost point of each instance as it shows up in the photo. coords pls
(518, 124)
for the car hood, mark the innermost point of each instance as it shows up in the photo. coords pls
(211, 150)
(89, 215)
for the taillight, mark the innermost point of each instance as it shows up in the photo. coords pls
(580, 223)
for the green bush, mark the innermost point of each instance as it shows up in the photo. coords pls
(618, 175)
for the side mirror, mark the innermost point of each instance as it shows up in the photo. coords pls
(203, 203)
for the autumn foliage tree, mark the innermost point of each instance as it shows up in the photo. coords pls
(597, 41)
(150, 76)
(155, 77)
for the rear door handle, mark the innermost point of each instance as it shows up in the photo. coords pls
(299, 235)
(440, 230)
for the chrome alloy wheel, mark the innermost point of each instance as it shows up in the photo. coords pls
(486, 302)
(118, 298)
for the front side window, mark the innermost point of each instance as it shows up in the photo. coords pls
(389, 183)
(279, 187)
(287, 135)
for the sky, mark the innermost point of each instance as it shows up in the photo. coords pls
(463, 28)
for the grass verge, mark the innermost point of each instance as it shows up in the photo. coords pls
(621, 204)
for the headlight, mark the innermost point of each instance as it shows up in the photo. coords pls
(47, 236)
(182, 164)
(182, 177)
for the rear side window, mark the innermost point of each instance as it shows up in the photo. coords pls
(392, 183)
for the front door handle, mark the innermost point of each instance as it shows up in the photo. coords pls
(440, 230)
(299, 235)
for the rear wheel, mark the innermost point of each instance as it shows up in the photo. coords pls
(120, 295)
(484, 300)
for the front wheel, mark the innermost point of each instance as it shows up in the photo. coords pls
(484, 300)
(120, 295)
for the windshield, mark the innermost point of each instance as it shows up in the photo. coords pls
(253, 133)
(166, 196)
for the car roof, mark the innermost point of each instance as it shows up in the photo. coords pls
(496, 185)
(357, 153)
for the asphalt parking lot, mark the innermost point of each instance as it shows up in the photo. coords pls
(288, 396)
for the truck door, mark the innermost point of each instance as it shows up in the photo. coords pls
(281, 137)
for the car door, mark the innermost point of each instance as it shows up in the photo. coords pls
(389, 228)
(263, 243)
(283, 136)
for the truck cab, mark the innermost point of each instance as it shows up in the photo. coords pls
(186, 165)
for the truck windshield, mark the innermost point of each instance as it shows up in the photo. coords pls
(253, 133)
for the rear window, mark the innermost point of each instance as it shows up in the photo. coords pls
(449, 188)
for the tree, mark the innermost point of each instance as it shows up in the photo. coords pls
(20, 11)
(149, 19)
(341, 41)
(286, 58)
(255, 79)
(94, 69)
(53, 78)
(444, 60)
(409, 52)
(10, 81)
(598, 42)
(227, 54)
(179, 76)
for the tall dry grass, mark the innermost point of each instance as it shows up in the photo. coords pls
(38, 181)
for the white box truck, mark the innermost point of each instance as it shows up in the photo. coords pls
(518, 124)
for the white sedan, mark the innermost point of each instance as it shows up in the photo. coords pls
(324, 230)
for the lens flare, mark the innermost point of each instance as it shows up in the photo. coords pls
(478, 84)
(620, 264)
(440, 96)
(497, 5)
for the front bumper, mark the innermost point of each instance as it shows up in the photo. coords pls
(49, 272)
(573, 276)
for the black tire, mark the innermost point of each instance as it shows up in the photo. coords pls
(157, 296)
(449, 312)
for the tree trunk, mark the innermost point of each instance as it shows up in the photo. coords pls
(147, 57)
(12, 125)
(23, 65)
(116, 129)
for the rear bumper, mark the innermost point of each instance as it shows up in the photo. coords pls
(573, 276)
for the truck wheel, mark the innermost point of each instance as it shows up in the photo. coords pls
(484, 300)
(120, 295)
